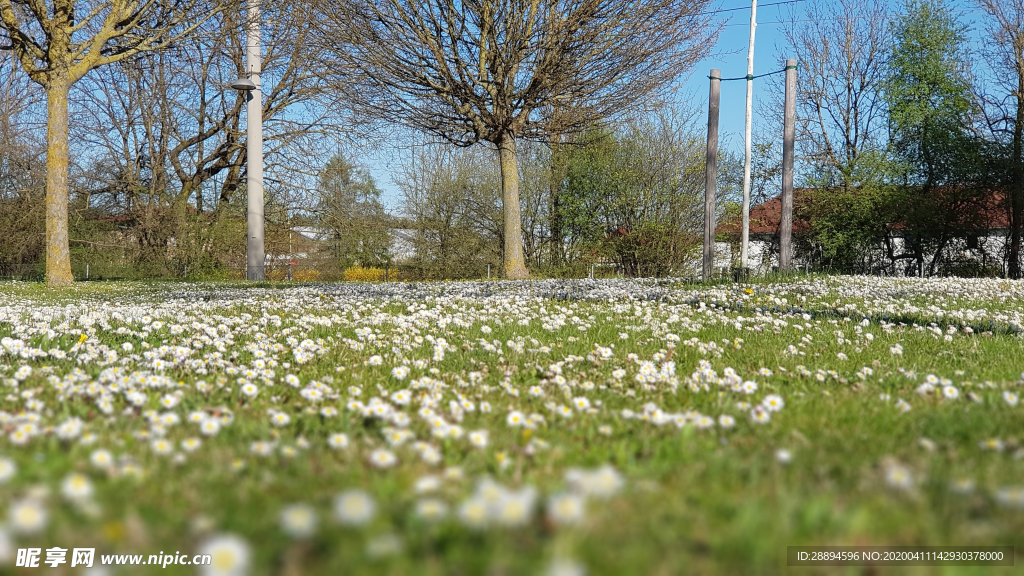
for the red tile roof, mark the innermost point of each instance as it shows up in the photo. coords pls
(765, 217)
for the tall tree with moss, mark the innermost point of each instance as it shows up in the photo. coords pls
(58, 42)
(491, 70)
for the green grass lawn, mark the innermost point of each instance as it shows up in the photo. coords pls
(609, 427)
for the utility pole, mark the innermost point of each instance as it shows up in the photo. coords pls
(788, 135)
(254, 254)
(745, 231)
(711, 176)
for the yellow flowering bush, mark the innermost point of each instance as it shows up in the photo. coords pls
(303, 275)
(360, 274)
(306, 275)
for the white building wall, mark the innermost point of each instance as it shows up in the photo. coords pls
(989, 252)
(722, 263)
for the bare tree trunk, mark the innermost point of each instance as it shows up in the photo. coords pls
(1017, 182)
(58, 253)
(181, 229)
(555, 205)
(936, 258)
(515, 264)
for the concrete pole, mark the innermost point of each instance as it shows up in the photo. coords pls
(745, 231)
(254, 254)
(788, 136)
(711, 176)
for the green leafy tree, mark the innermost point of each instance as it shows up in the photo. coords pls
(928, 93)
(635, 195)
(847, 224)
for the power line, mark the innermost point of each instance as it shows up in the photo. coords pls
(771, 22)
(748, 7)
(805, 19)
(752, 77)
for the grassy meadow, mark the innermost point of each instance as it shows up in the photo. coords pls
(505, 428)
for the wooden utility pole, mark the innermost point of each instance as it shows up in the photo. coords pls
(712, 173)
(788, 135)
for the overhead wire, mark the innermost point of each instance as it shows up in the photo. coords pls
(748, 7)
(753, 77)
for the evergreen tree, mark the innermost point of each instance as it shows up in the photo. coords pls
(350, 207)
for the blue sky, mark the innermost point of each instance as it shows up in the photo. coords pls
(730, 56)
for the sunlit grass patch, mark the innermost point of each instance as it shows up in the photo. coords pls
(616, 426)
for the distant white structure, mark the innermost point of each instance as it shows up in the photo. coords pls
(402, 247)
(312, 233)
(403, 244)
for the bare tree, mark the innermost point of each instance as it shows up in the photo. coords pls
(19, 142)
(535, 175)
(1005, 23)
(22, 168)
(57, 43)
(171, 134)
(449, 200)
(485, 70)
(842, 123)
(841, 120)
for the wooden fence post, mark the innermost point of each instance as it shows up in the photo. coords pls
(711, 175)
(788, 136)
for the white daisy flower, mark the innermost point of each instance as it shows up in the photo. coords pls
(381, 458)
(773, 403)
(337, 441)
(478, 438)
(566, 508)
(209, 427)
(354, 508)
(898, 476)
(7, 469)
(230, 556)
(431, 509)
(27, 517)
(1010, 398)
(162, 447)
(191, 444)
(76, 487)
(299, 520)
